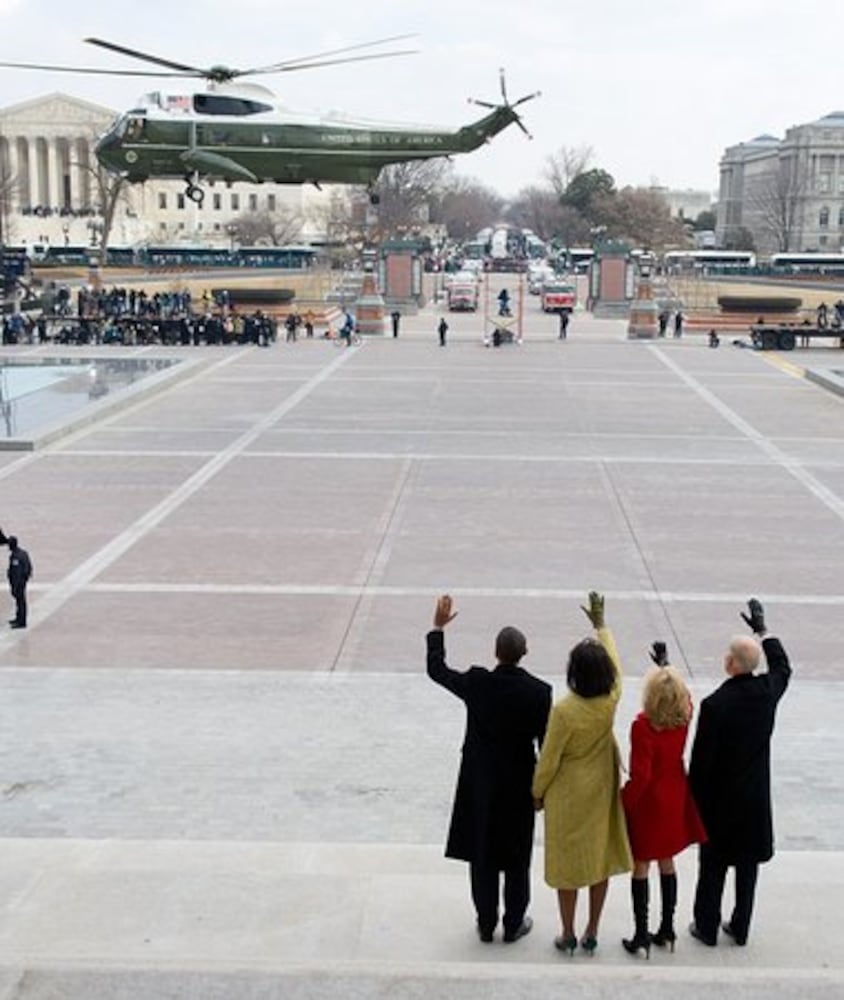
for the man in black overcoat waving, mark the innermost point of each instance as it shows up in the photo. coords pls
(493, 814)
(730, 774)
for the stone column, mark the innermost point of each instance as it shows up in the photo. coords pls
(53, 179)
(34, 172)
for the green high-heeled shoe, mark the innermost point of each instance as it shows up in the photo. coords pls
(589, 944)
(565, 944)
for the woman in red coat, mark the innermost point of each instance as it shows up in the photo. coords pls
(662, 818)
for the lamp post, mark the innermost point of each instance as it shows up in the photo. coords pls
(95, 253)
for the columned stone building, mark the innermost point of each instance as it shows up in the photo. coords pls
(49, 192)
(787, 193)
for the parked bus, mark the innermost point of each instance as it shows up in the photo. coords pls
(701, 261)
(575, 260)
(808, 263)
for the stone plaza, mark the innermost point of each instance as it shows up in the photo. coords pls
(224, 772)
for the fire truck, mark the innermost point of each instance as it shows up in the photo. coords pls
(558, 296)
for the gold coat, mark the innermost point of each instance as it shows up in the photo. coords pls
(578, 778)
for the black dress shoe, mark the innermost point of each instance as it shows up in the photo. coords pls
(727, 928)
(485, 935)
(696, 934)
(525, 927)
(17, 625)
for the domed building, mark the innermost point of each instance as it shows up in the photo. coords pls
(787, 193)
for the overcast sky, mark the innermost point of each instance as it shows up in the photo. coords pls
(657, 89)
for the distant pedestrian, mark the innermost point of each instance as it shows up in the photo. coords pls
(678, 323)
(18, 574)
(395, 317)
(823, 318)
(442, 330)
(663, 322)
(309, 323)
(564, 324)
(714, 339)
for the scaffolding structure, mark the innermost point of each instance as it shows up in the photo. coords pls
(498, 329)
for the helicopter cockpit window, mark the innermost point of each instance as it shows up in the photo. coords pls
(223, 104)
(135, 128)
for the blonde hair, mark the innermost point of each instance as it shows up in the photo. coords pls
(666, 698)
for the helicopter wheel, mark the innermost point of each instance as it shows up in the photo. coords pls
(374, 198)
(195, 193)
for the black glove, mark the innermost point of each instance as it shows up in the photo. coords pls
(756, 619)
(659, 653)
(595, 611)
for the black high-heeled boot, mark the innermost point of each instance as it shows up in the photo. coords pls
(641, 938)
(668, 890)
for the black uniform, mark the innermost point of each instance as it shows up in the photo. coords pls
(18, 574)
(492, 818)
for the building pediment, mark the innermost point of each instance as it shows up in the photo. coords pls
(54, 109)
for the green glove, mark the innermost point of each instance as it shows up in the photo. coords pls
(595, 611)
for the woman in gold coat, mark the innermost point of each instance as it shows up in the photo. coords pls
(576, 781)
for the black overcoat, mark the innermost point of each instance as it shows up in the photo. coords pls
(506, 714)
(730, 769)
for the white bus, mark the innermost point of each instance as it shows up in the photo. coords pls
(700, 261)
(808, 263)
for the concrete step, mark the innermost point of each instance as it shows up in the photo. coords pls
(160, 919)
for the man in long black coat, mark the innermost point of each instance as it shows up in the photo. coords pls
(492, 819)
(730, 774)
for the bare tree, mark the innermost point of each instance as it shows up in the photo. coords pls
(775, 200)
(641, 216)
(111, 190)
(406, 192)
(540, 209)
(465, 206)
(8, 190)
(266, 228)
(108, 191)
(564, 165)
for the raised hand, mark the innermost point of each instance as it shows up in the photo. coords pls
(595, 611)
(756, 619)
(443, 612)
(659, 653)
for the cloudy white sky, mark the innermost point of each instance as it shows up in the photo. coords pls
(657, 88)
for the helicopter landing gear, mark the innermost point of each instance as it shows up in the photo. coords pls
(193, 190)
(374, 197)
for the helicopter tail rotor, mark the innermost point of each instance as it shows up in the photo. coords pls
(506, 104)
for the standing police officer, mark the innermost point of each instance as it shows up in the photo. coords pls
(18, 574)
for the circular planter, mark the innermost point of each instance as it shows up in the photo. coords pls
(760, 304)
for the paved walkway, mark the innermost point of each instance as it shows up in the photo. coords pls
(222, 771)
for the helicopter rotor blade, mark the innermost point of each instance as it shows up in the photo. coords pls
(90, 69)
(503, 83)
(285, 68)
(279, 67)
(521, 125)
(156, 60)
(483, 104)
(527, 97)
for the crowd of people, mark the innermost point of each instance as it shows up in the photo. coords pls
(595, 825)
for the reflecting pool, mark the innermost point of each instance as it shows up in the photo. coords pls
(38, 394)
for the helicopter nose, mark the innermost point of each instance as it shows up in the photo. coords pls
(107, 149)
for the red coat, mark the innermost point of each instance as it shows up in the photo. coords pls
(662, 818)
